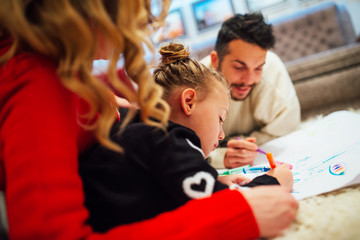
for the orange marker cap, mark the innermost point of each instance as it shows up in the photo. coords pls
(272, 163)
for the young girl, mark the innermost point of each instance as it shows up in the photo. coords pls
(189, 89)
(52, 109)
(162, 170)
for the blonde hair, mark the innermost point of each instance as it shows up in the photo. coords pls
(177, 69)
(63, 31)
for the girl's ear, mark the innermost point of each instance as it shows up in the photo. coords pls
(214, 59)
(188, 97)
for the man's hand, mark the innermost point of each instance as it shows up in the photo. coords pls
(274, 208)
(240, 152)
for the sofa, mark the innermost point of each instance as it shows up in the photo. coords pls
(327, 81)
(318, 46)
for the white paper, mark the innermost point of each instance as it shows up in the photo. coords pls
(334, 139)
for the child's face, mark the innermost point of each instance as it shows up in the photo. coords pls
(208, 116)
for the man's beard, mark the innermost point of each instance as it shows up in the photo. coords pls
(241, 85)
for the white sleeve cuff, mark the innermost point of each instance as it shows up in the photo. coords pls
(216, 158)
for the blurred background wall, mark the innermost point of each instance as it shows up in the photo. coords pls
(197, 22)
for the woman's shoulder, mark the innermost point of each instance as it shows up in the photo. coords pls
(28, 67)
(28, 60)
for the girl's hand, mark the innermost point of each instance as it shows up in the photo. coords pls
(234, 178)
(283, 174)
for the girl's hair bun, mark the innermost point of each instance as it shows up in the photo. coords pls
(173, 52)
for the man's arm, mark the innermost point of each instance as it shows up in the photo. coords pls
(216, 158)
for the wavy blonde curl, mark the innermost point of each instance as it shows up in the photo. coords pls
(63, 31)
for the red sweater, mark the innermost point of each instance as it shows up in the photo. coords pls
(39, 145)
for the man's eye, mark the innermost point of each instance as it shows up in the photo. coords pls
(239, 68)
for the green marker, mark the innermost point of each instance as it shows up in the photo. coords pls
(234, 170)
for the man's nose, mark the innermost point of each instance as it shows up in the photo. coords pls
(250, 77)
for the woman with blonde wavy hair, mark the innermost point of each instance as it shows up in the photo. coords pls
(52, 109)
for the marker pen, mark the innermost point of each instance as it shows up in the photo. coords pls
(271, 160)
(256, 169)
(234, 170)
(258, 150)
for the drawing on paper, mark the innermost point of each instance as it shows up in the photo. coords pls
(337, 168)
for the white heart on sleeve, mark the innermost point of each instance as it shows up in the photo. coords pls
(196, 179)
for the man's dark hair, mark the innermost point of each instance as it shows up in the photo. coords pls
(250, 28)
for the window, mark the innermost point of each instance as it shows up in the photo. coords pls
(174, 27)
(256, 5)
(210, 13)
